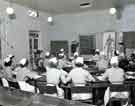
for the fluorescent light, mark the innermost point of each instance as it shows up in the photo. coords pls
(10, 10)
(112, 11)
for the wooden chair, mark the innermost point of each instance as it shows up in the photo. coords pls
(47, 89)
(82, 90)
(119, 99)
(13, 84)
(1, 84)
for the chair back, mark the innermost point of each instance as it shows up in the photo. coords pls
(13, 84)
(81, 89)
(119, 88)
(45, 88)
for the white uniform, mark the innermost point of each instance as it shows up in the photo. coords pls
(8, 73)
(54, 76)
(79, 77)
(46, 64)
(114, 75)
(22, 74)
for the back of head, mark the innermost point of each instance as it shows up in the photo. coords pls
(24, 62)
(79, 62)
(76, 54)
(97, 51)
(11, 56)
(47, 55)
(114, 61)
(7, 62)
(53, 62)
(62, 50)
(60, 55)
(116, 53)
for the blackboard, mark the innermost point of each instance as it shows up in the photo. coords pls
(57, 45)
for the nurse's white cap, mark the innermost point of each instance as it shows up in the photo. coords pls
(10, 56)
(76, 54)
(7, 60)
(114, 60)
(53, 60)
(47, 53)
(102, 53)
(23, 61)
(62, 50)
(79, 60)
(97, 50)
(117, 52)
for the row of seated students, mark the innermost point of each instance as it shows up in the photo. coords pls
(55, 75)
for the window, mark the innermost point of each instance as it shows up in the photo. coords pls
(87, 44)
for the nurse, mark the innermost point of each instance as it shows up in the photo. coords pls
(8, 68)
(79, 77)
(23, 71)
(54, 76)
(46, 60)
(115, 75)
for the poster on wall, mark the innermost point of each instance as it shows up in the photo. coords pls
(109, 43)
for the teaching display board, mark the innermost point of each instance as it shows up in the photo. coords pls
(57, 45)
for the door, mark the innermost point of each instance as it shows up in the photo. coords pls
(33, 46)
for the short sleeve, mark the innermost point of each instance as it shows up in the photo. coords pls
(89, 76)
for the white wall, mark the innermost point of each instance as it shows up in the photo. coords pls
(65, 27)
(16, 31)
(70, 26)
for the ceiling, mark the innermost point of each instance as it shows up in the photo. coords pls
(70, 6)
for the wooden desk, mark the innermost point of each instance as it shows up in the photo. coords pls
(99, 89)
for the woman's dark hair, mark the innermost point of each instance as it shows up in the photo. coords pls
(8, 64)
(79, 65)
(25, 65)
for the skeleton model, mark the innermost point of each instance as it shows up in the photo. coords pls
(109, 47)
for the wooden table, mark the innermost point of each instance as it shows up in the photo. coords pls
(98, 89)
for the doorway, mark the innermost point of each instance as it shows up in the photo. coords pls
(33, 46)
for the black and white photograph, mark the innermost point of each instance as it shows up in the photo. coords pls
(67, 52)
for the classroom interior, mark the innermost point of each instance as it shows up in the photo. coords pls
(30, 28)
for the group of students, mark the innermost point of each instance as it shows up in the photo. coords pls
(55, 74)
(79, 76)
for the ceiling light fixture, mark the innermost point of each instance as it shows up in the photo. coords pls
(112, 11)
(33, 13)
(50, 19)
(10, 10)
